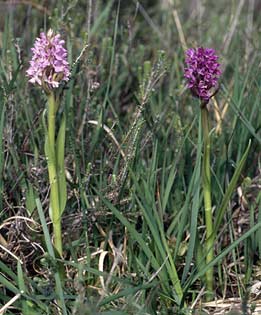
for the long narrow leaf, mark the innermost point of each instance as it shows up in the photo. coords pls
(195, 207)
(7, 271)
(242, 117)
(6, 283)
(2, 119)
(22, 287)
(60, 165)
(218, 258)
(230, 189)
(136, 236)
(51, 253)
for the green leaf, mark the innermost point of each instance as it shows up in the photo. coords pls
(137, 237)
(2, 119)
(158, 235)
(7, 271)
(21, 283)
(60, 165)
(171, 178)
(22, 288)
(230, 189)
(48, 154)
(124, 293)
(49, 161)
(30, 199)
(242, 117)
(195, 186)
(50, 249)
(194, 277)
(6, 283)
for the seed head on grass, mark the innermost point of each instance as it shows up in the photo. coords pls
(49, 65)
(202, 72)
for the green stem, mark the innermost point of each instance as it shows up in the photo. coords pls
(54, 194)
(207, 201)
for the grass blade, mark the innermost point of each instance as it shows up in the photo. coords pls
(230, 189)
(51, 253)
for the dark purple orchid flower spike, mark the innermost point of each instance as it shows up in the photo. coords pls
(202, 72)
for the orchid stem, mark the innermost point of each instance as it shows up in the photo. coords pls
(52, 170)
(207, 201)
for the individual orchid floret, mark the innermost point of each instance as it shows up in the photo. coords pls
(49, 65)
(202, 72)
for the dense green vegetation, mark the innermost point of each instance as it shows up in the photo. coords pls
(134, 220)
